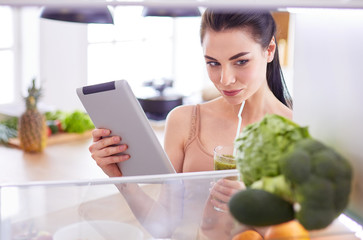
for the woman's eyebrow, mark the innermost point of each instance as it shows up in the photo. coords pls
(206, 56)
(238, 55)
(231, 58)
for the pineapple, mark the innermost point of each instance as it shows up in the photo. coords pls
(32, 131)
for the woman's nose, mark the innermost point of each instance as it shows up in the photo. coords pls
(227, 76)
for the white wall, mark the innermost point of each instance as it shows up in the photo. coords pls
(63, 62)
(29, 44)
(328, 84)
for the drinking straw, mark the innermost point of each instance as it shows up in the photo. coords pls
(240, 119)
(239, 123)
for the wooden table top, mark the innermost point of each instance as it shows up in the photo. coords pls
(65, 161)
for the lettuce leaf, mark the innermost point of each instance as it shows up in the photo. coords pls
(260, 146)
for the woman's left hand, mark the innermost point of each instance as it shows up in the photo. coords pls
(222, 191)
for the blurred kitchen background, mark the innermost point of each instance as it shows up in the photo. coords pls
(321, 52)
(139, 48)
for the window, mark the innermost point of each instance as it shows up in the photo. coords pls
(140, 49)
(6, 55)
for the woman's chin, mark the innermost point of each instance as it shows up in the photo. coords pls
(234, 100)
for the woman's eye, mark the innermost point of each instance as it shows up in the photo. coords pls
(241, 62)
(213, 63)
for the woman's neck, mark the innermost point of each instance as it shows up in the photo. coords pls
(257, 106)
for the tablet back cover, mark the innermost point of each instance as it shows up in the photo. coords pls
(113, 106)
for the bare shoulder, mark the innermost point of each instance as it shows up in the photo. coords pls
(178, 120)
(180, 114)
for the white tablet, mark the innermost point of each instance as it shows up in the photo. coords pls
(112, 105)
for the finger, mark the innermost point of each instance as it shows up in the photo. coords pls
(225, 188)
(108, 151)
(238, 185)
(220, 205)
(102, 162)
(104, 143)
(219, 196)
(98, 133)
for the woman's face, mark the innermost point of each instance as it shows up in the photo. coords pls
(236, 64)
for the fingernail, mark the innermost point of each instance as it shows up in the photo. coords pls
(105, 131)
(116, 139)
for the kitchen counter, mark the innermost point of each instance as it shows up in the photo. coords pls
(58, 162)
(63, 161)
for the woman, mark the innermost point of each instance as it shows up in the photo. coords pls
(241, 57)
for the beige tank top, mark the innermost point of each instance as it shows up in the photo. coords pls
(196, 157)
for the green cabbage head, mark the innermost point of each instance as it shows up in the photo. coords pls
(260, 146)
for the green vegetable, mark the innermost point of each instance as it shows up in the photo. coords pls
(11, 122)
(260, 208)
(8, 129)
(52, 124)
(57, 115)
(260, 146)
(71, 122)
(321, 189)
(278, 156)
(77, 122)
(6, 133)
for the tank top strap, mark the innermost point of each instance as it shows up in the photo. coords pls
(195, 125)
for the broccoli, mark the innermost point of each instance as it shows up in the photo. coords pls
(324, 191)
(280, 157)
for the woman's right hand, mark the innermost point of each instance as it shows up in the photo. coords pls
(103, 149)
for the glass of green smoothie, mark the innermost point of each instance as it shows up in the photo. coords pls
(224, 160)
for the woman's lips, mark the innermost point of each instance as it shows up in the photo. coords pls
(231, 93)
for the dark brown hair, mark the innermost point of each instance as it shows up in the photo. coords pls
(263, 28)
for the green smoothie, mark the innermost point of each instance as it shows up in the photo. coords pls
(224, 162)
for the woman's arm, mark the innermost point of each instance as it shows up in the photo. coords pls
(161, 217)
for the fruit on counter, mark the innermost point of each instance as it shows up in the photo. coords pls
(70, 122)
(32, 129)
(291, 230)
(278, 156)
(55, 126)
(56, 121)
(248, 235)
(256, 207)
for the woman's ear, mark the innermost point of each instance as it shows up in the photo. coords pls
(271, 50)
